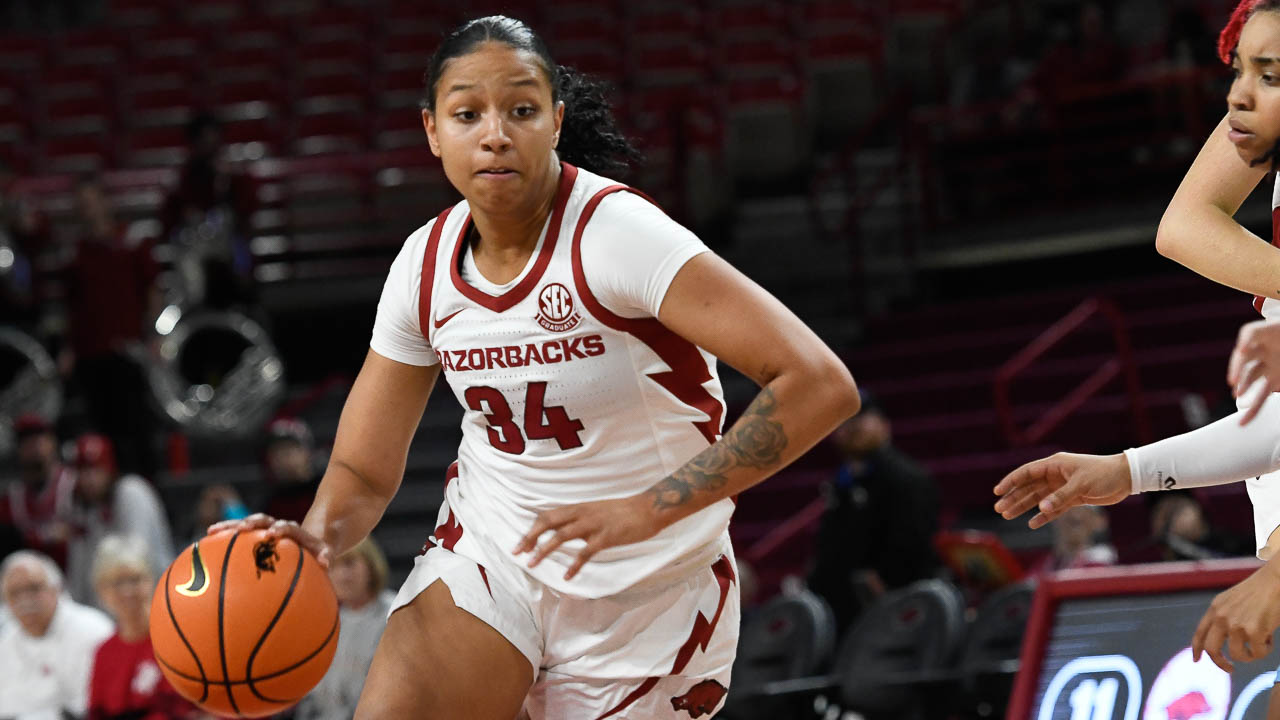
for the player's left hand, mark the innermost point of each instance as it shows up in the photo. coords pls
(1244, 617)
(602, 524)
(1255, 357)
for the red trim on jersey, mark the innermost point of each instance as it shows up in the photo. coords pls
(688, 368)
(505, 301)
(429, 274)
(1275, 240)
(699, 636)
(485, 576)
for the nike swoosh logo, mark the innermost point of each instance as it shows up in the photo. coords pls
(440, 323)
(199, 581)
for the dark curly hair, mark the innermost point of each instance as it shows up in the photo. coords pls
(589, 134)
(1227, 42)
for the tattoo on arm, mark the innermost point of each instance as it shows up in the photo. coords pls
(755, 441)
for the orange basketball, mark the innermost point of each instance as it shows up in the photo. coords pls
(244, 625)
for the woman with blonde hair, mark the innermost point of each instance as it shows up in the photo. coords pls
(125, 681)
(360, 579)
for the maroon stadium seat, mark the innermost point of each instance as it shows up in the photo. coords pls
(76, 154)
(253, 33)
(249, 99)
(200, 12)
(138, 13)
(336, 24)
(328, 134)
(320, 94)
(332, 57)
(78, 115)
(98, 46)
(155, 147)
(22, 52)
(400, 88)
(156, 108)
(248, 64)
(407, 51)
(399, 129)
(169, 41)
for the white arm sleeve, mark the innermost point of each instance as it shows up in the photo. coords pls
(631, 251)
(1219, 453)
(397, 333)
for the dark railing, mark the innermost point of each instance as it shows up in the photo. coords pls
(1121, 365)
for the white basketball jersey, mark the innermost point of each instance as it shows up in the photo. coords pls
(565, 401)
(1270, 307)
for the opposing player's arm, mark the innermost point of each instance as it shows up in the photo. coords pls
(1218, 453)
(366, 466)
(805, 389)
(1198, 229)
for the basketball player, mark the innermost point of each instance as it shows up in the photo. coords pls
(1198, 231)
(581, 566)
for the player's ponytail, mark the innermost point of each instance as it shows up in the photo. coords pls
(589, 135)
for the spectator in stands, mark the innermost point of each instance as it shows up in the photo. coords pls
(47, 651)
(1179, 524)
(291, 469)
(126, 682)
(37, 505)
(221, 202)
(112, 296)
(217, 503)
(1086, 53)
(108, 502)
(1079, 540)
(882, 512)
(360, 579)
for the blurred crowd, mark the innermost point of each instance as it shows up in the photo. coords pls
(83, 544)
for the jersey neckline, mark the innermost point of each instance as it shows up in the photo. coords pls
(521, 290)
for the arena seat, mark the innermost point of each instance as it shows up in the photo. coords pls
(791, 636)
(330, 133)
(155, 147)
(339, 92)
(989, 657)
(902, 644)
(139, 13)
(22, 53)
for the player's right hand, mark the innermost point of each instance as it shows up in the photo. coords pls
(1255, 364)
(1060, 482)
(279, 528)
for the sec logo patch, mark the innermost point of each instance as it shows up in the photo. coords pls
(556, 311)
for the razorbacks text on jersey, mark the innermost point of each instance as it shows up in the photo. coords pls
(572, 390)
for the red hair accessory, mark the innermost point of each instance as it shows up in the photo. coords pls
(1230, 36)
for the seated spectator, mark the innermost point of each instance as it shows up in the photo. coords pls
(291, 470)
(46, 652)
(38, 504)
(112, 298)
(882, 512)
(1179, 525)
(1080, 539)
(217, 503)
(360, 579)
(108, 502)
(215, 262)
(126, 682)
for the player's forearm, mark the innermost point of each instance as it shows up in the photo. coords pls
(348, 505)
(1210, 242)
(1219, 453)
(789, 416)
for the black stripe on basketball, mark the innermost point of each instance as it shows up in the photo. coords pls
(204, 680)
(282, 671)
(222, 644)
(293, 585)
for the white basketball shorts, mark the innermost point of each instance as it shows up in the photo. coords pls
(657, 651)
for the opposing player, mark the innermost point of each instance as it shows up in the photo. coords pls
(1198, 229)
(581, 567)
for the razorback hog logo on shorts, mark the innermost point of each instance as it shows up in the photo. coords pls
(555, 309)
(701, 699)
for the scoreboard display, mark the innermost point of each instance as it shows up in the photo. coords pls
(1115, 644)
